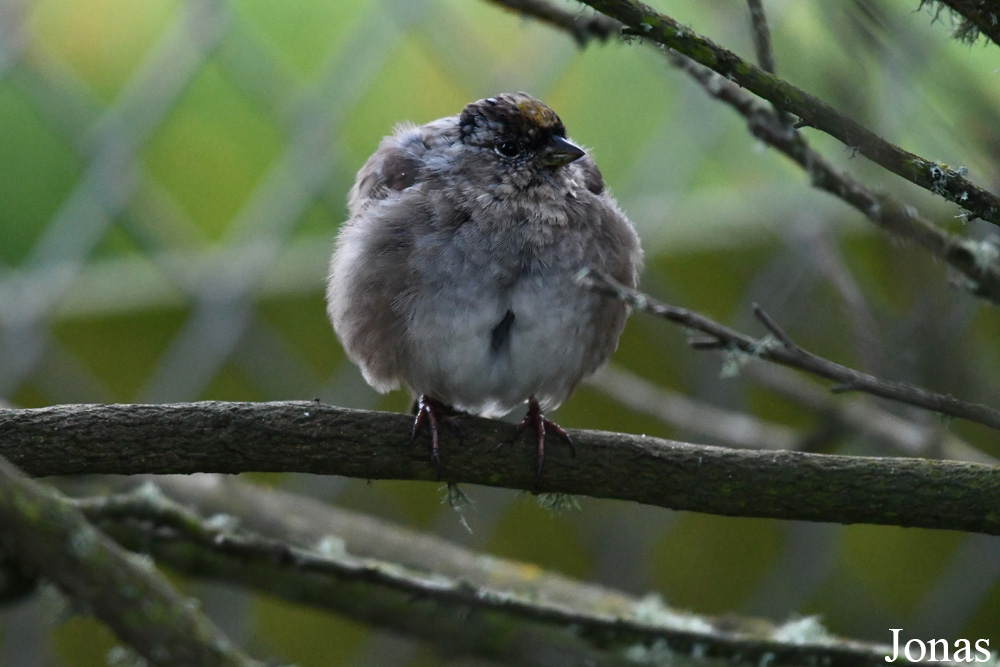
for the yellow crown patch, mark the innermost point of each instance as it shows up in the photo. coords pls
(537, 113)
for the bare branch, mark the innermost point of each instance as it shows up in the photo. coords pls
(976, 262)
(761, 36)
(762, 47)
(786, 352)
(582, 28)
(645, 22)
(44, 531)
(314, 438)
(773, 327)
(318, 526)
(524, 628)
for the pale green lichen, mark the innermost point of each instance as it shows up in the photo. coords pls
(985, 253)
(225, 523)
(658, 653)
(733, 362)
(652, 610)
(141, 561)
(122, 656)
(149, 492)
(81, 542)
(939, 173)
(805, 630)
(331, 546)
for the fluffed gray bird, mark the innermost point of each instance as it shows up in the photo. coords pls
(455, 274)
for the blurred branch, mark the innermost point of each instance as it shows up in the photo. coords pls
(779, 348)
(762, 47)
(723, 427)
(314, 438)
(738, 429)
(589, 626)
(863, 417)
(980, 17)
(43, 530)
(761, 35)
(976, 262)
(582, 28)
(829, 261)
(644, 22)
(318, 526)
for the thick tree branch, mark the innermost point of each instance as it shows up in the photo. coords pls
(645, 22)
(779, 348)
(595, 626)
(314, 438)
(44, 531)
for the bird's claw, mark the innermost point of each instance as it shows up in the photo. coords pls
(541, 425)
(430, 413)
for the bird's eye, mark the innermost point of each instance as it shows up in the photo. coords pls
(507, 148)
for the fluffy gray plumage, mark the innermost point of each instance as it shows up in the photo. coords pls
(454, 275)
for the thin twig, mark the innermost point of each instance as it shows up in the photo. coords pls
(43, 530)
(761, 36)
(773, 327)
(645, 22)
(319, 526)
(582, 28)
(977, 263)
(320, 439)
(788, 353)
(763, 49)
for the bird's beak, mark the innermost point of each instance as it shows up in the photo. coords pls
(560, 152)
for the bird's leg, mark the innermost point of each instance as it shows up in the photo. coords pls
(542, 425)
(429, 412)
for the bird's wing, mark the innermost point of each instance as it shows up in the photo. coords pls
(394, 167)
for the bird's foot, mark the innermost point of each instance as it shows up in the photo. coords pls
(541, 425)
(430, 413)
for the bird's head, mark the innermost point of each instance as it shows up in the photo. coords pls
(518, 136)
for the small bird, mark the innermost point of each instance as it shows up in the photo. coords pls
(455, 274)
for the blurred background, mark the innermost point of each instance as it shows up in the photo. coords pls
(173, 174)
